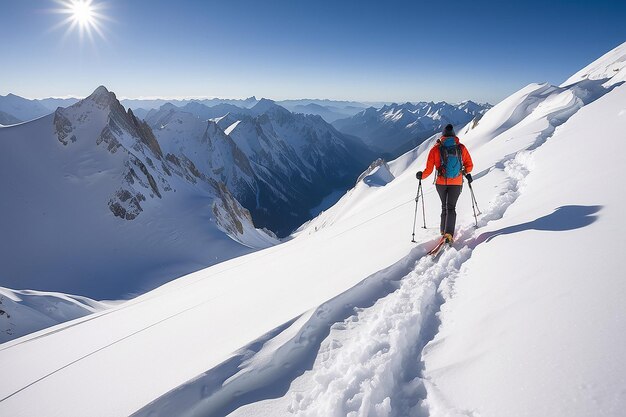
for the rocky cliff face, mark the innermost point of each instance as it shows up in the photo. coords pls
(148, 170)
(276, 163)
(116, 130)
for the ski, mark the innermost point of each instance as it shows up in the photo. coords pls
(435, 251)
(443, 243)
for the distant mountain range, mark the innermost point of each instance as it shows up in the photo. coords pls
(331, 110)
(388, 130)
(397, 128)
(18, 108)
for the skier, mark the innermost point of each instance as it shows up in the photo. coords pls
(452, 161)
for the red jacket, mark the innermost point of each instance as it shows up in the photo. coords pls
(434, 161)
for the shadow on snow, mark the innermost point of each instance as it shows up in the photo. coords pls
(562, 219)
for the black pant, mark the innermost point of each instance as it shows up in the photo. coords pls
(449, 195)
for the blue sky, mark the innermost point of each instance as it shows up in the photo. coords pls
(358, 50)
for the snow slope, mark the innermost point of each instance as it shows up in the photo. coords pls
(522, 317)
(24, 312)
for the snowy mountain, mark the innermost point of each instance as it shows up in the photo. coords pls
(53, 103)
(150, 104)
(6, 119)
(199, 110)
(522, 316)
(329, 113)
(92, 205)
(396, 128)
(278, 164)
(330, 110)
(21, 108)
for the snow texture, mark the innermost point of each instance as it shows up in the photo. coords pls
(522, 316)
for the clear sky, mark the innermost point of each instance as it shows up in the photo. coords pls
(358, 50)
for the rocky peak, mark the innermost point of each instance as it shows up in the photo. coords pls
(168, 106)
(369, 112)
(213, 128)
(263, 106)
(102, 96)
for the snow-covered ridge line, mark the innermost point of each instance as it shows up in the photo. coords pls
(24, 312)
(610, 66)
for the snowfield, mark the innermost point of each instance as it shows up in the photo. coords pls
(524, 316)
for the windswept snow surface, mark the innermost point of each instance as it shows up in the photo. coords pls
(611, 67)
(23, 312)
(524, 316)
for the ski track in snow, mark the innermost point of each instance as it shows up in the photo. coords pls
(387, 319)
(362, 349)
(370, 363)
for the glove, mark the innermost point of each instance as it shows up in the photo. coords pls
(418, 175)
(469, 178)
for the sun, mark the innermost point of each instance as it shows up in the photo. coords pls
(85, 16)
(82, 12)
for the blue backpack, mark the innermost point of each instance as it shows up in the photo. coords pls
(451, 159)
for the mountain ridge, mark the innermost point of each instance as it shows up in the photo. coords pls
(396, 128)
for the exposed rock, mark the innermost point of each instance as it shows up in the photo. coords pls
(109, 138)
(145, 134)
(149, 177)
(102, 97)
(229, 214)
(372, 167)
(121, 121)
(192, 168)
(166, 169)
(126, 205)
(63, 127)
(173, 159)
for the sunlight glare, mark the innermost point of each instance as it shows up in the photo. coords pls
(82, 12)
(84, 15)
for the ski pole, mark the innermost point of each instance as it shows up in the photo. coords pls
(417, 198)
(423, 210)
(474, 204)
(474, 198)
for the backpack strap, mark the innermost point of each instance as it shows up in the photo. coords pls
(443, 158)
(461, 146)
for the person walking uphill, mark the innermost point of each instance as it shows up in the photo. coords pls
(451, 160)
